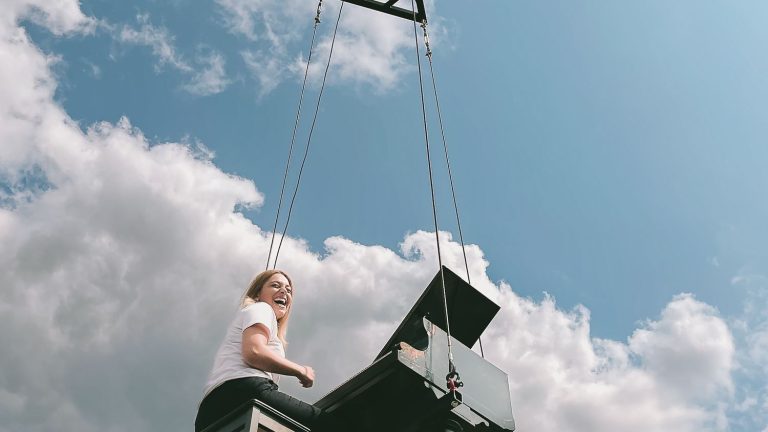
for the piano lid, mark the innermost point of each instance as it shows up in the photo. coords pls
(469, 311)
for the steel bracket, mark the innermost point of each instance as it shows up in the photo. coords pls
(388, 7)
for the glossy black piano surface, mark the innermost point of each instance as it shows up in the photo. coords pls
(405, 388)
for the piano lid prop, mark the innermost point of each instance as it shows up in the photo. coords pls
(469, 312)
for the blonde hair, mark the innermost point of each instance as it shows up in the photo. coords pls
(252, 294)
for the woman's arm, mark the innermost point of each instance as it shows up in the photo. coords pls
(257, 354)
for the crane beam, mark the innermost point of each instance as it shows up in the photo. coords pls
(388, 7)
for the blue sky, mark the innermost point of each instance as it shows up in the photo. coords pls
(608, 154)
(605, 154)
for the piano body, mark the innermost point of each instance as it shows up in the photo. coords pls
(405, 389)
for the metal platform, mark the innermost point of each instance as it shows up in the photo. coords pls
(256, 416)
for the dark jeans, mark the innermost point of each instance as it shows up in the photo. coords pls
(228, 396)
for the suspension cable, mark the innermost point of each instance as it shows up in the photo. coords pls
(451, 366)
(293, 135)
(447, 160)
(309, 138)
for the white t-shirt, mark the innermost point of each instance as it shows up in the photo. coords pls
(229, 363)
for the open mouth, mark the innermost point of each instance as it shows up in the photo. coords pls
(282, 302)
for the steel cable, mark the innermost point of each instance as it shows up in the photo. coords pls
(309, 138)
(448, 162)
(451, 366)
(293, 136)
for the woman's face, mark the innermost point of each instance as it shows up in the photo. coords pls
(278, 293)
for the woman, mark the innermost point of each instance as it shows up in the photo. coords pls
(252, 351)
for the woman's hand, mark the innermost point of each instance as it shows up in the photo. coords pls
(307, 377)
(257, 354)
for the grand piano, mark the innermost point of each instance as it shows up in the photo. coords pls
(405, 389)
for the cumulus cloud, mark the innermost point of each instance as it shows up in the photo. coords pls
(751, 332)
(690, 348)
(591, 384)
(58, 16)
(123, 260)
(372, 49)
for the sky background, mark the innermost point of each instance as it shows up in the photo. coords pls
(609, 160)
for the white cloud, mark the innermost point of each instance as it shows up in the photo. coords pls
(58, 16)
(266, 68)
(208, 74)
(690, 348)
(211, 79)
(751, 332)
(118, 278)
(158, 39)
(275, 21)
(562, 379)
(92, 69)
(758, 345)
(372, 49)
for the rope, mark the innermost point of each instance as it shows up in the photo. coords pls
(447, 161)
(451, 366)
(309, 138)
(293, 136)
